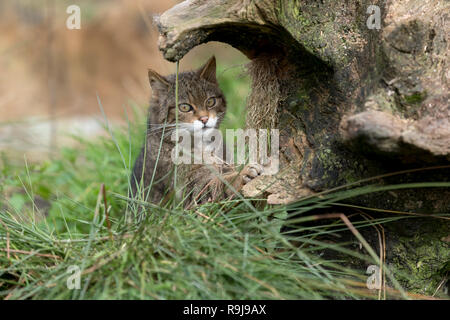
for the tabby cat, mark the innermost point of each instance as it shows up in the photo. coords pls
(201, 106)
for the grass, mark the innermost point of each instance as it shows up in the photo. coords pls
(216, 251)
(224, 250)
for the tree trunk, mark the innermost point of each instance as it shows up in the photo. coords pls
(351, 102)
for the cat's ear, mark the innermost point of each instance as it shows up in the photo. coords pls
(157, 81)
(208, 70)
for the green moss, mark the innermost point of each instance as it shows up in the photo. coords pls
(330, 163)
(419, 260)
(416, 98)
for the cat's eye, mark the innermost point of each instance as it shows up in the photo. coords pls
(211, 102)
(184, 107)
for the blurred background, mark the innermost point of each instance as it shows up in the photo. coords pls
(50, 76)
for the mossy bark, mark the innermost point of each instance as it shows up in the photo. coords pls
(350, 102)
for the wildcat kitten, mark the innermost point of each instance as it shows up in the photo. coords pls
(201, 106)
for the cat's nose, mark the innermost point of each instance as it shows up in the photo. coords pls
(204, 119)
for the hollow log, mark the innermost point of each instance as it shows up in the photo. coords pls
(351, 102)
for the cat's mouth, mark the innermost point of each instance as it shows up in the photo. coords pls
(203, 129)
(210, 124)
(206, 127)
(199, 128)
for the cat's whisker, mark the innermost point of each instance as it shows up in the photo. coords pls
(169, 131)
(166, 122)
(160, 128)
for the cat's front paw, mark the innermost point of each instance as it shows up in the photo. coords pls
(250, 172)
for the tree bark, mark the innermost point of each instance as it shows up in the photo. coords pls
(350, 102)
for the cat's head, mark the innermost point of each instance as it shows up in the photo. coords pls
(201, 104)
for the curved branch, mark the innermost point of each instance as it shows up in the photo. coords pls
(246, 25)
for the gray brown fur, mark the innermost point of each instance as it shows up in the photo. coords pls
(195, 87)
